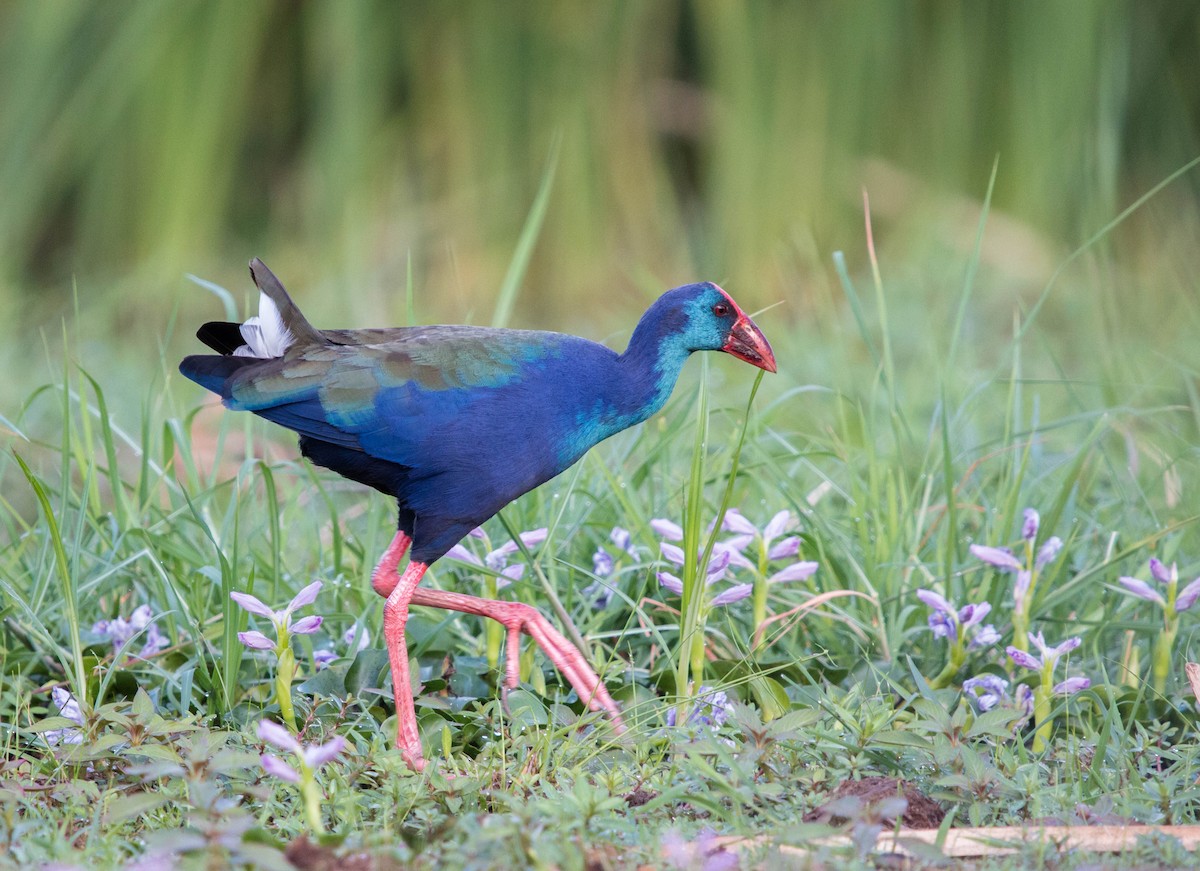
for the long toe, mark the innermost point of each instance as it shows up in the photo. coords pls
(574, 666)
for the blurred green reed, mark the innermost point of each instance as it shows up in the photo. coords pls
(140, 141)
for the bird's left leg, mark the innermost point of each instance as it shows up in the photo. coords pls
(395, 618)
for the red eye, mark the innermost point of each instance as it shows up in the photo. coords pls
(720, 309)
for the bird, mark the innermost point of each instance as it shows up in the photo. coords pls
(455, 422)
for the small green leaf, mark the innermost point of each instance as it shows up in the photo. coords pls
(120, 808)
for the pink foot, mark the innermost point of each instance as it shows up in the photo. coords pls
(518, 617)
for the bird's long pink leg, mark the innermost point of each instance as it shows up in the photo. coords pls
(518, 617)
(395, 617)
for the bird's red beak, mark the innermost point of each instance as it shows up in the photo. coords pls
(746, 342)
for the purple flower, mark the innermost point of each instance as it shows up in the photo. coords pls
(731, 594)
(795, 572)
(69, 708)
(702, 853)
(281, 620)
(1029, 529)
(718, 561)
(1184, 600)
(324, 657)
(1023, 696)
(623, 540)
(946, 621)
(710, 708)
(1048, 660)
(1023, 659)
(1072, 685)
(602, 563)
(1142, 590)
(999, 557)
(119, 631)
(1048, 552)
(311, 757)
(497, 560)
(1161, 573)
(1187, 596)
(599, 593)
(364, 637)
(668, 529)
(1021, 587)
(747, 534)
(669, 582)
(985, 691)
(985, 636)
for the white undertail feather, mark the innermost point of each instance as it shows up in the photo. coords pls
(265, 335)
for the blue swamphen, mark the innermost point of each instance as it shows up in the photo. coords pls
(455, 422)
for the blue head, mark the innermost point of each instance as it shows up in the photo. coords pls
(700, 317)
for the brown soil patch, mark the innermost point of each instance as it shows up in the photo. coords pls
(922, 811)
(309, 856)
(639, 797)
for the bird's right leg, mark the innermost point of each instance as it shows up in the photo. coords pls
(518, 617)
(395, 618)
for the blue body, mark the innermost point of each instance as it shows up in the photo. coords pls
(456, 422)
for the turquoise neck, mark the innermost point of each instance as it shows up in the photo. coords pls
(651, 366)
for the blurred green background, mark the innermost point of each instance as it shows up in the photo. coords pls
(140, 141)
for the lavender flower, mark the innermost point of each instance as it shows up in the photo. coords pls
(718, 563)
(69, 708)
(998, 557)
(1049, 655)
(598, 592)
(769, 550)
(286, 666)
(1048, 552)
(1029, 529)
(1184, 599)
(311, 757)
(308, 760)
(1023, 696)
(1047, 688)
(711, 708)
(497, 560)
(119, 631)
(1026, 570)
(959, 624)
(324, 657)
(602, 563)
(985, 691)
(1173, 602)
(281, 620)
(668, 529)
(962, 627)
(1072, 685)
(701, 853)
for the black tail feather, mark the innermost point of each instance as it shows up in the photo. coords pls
(222, 336)
(213, 373)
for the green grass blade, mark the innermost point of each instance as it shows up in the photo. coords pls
(511, 285)
(66, 583)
